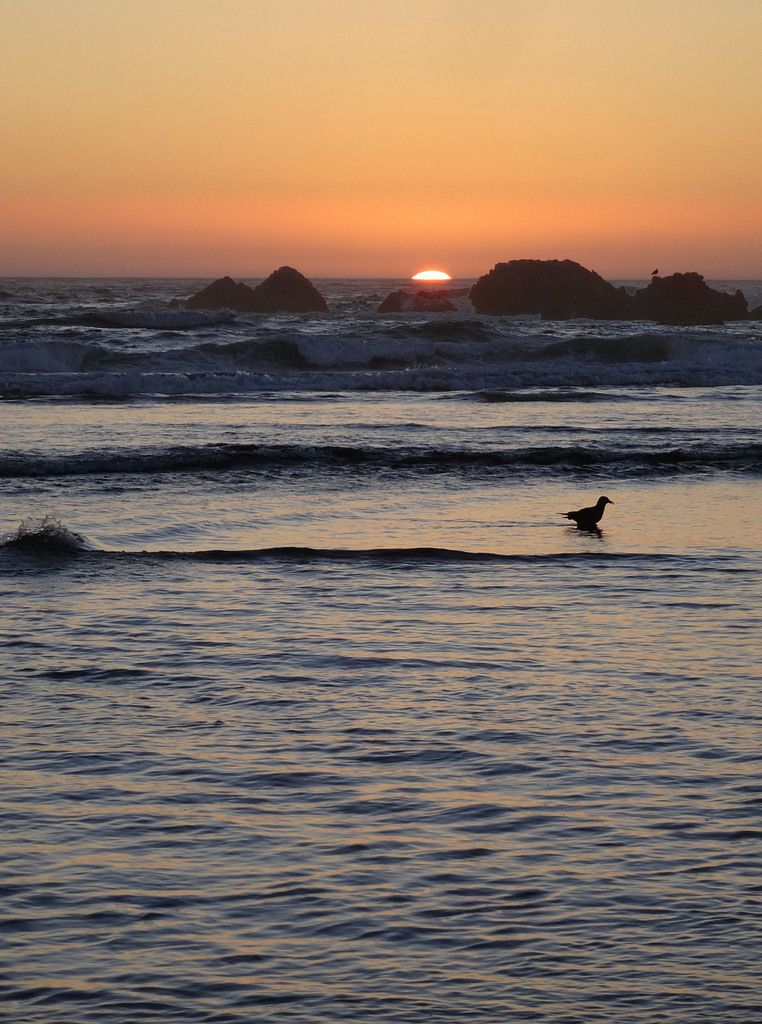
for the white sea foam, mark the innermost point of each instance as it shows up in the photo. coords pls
(50, 368)
(40, 357)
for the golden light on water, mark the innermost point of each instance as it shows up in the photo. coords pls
(431, 275)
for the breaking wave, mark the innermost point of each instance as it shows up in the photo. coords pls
(45, 536)
(594, 462)
(179, 352)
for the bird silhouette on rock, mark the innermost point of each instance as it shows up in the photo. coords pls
(588, 518)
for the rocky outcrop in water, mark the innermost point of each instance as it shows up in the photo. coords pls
(554, 289)
(562, 289)
(434, 300)
(687, 299)
(284, 291)
(225, 293)
(288, 291)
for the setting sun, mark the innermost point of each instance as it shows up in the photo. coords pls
(431, 275)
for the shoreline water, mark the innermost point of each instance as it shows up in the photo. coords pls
(315, 707)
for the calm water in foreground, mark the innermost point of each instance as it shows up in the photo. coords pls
(315, 709)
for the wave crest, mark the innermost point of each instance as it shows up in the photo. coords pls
(601, 462)
(47, 535)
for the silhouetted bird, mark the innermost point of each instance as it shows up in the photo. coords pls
(588, 518)
(654, 273)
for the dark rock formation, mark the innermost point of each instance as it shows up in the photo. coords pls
(288, 291)
(225, 293)
(554, 289)
(756, 313)
(434, 300)
(687, 299)
(394, 302)
(560, 289)
(284, 291)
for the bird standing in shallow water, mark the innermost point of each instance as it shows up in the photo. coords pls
(588, 518)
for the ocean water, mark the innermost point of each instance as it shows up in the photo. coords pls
(316, 709)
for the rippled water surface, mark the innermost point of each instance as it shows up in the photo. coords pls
(315, 708)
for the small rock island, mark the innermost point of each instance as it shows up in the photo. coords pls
(562, 289)
(284, 291)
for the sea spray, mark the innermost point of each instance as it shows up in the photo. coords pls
(46, 535)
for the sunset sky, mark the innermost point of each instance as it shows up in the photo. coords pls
(189, 137)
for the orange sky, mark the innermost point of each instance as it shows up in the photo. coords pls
(185, 137)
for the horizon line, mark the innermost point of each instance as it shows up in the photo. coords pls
(329, 277)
